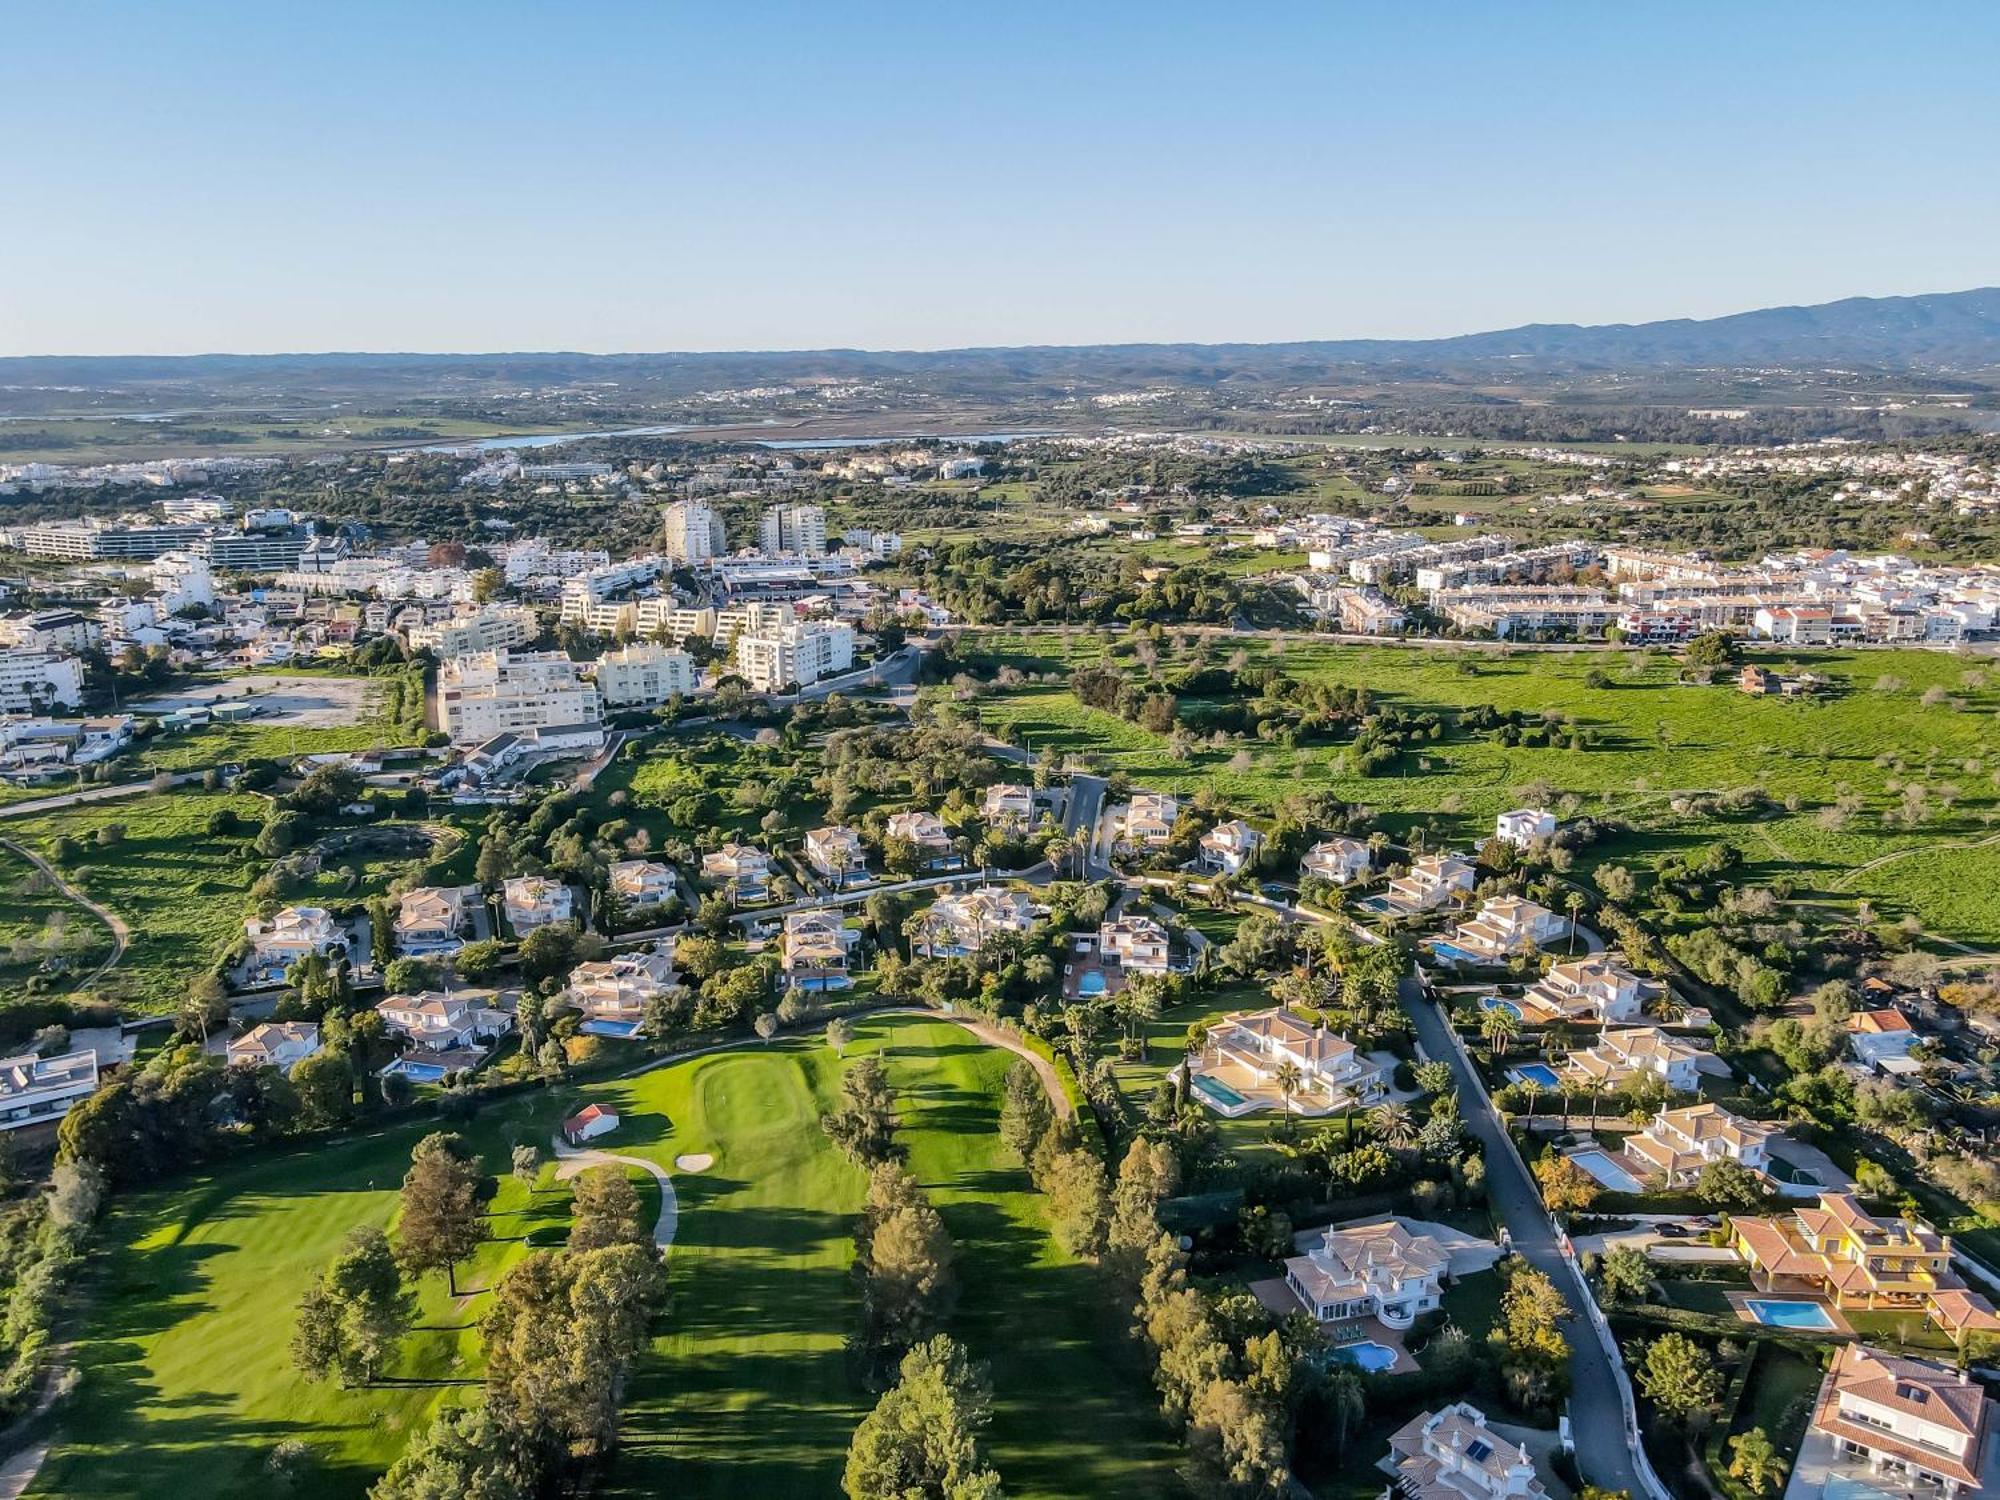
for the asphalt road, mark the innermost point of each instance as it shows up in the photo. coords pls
(1596, 1413)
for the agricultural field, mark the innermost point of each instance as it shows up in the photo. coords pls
(1882, 789)
(747, 1391)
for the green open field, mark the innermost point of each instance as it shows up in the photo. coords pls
(38, 922)
(1871, 738)
(183, 893)
(187, 1383)
(748, 1389)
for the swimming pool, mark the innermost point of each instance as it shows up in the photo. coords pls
(1790, 1314)
(1378, 904)
(1090, 982)
(1494, 1002)
(1600, 1165)
(623, 1030)
(1218, 1092)
(416, 1072)
(1367, 1355)
(1540, 1073)
(1452, 953)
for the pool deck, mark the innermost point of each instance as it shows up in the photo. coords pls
(1741, 1302)
(1277, 1299)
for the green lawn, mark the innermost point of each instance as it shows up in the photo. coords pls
(752, 1394)
(38, 922)
(187, 1384)
(748, 1390)
(1871, 738)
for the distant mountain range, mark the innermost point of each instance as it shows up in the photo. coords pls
(1946, 330)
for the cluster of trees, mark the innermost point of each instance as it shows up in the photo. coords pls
(561, 1333)
(43, 1239)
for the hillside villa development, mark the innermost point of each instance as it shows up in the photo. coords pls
(1271, 1059)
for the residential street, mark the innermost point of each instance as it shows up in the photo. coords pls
(1596, 1412)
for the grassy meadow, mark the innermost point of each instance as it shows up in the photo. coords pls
(1870, 739)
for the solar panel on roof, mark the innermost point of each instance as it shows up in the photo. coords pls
(1479, 1452)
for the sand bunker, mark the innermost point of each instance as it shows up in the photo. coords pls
(699, 1161)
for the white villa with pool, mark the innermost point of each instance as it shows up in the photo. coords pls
(1375, 1271)
(1237, 1072)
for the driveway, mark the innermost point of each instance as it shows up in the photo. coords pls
(1596, 1410)
(571, 1160)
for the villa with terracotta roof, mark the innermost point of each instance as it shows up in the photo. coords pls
(1505, 926)
(1148, 819)
(1434, 880)
(1454, 1455)
(836, 853)
(742, 873)
(816, 948)
(926, 833)
(1593, 988)
(1375, 1271)
(959, 923)
(1624, 1054)
(1859, 1261)
(1339, 860)
(1906, 1419)
(1228, 847)
(1680, 1142)
(1881, 1040)
(1237, 1072)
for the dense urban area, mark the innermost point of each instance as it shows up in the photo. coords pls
(826, 935)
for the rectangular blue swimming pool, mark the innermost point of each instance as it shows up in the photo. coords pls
(1452, 953)
(1600, 1165)
(1540, 1073)
(1217, 1092)
(1807, 1315)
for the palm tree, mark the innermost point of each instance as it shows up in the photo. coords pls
(1345, 1403)
(1500, 1027)
(1289, 1079)
(1574, 901)
(1533, 1090)
(1392, 1124)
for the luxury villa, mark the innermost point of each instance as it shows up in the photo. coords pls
(1505, 926)
(290, 935)
(1622, 1055)
(441, 1022)
(274, 1044)
(1524, 825)
(1339, 860)
(1453, 1455)
(1594, 988)
(1228, 847)
(816, 947)
(643, 882)
(1008, 805)
(1856, 1260)
(1912, 1422)
(612, 993)
(1376, 1271)
(1148, 820)
(958, 924)
(428, 919)
(1238, 1070)
(1680, 1142)
(533, 901)
(1434, 880)
(1135, 945)
(741, 873)
(925, 832)
(836, 853)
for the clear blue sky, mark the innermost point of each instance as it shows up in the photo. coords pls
(603, 176)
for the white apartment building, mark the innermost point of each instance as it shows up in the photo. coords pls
(490, 693)
(181, 580)
(794, 530)
(33, 683)
(50, 630)
(496, 627)
(693, 533)
(641, 674)
(794, 654)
